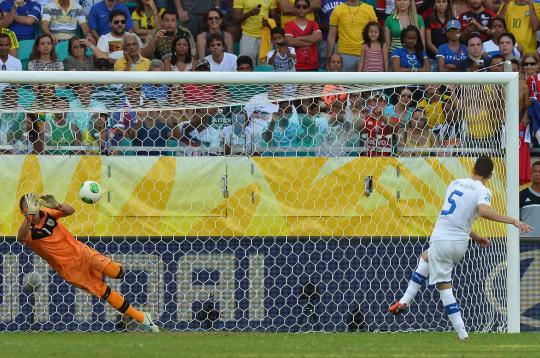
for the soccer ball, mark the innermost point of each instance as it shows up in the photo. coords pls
(90, 192)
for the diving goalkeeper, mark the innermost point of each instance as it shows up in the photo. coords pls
(75, 262)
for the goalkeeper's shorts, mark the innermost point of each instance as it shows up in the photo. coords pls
(442, 255)
(87, 272)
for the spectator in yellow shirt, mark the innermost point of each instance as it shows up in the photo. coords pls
(347, 23)
(132, 60)
(521, 18)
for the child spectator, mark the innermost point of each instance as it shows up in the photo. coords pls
(303, 35)
(282, 58)
(411, 57)
(454, 51)
(219, 60)
(375, 54)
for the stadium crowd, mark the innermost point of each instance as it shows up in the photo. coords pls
(269, 35)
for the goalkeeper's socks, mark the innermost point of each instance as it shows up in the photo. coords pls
(454, 313)
(119, 302)
(418, 279)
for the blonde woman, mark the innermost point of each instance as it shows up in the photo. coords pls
(403, 16)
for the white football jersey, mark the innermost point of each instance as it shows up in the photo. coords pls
(460, 209)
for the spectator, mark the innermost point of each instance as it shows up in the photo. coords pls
(35, 132)
(154, 130)
(522, 17)
(497, 27)
(282, 132)
(12, 36)
(131, 60)
(252, 17)
(198, 131)
(451, 53)
(433, 107)
(323, 19)
(411, 57)
(59, 132)
(7, 61)
(436, 30)
(533, 80)
(43, 56)
(158, 42)
(78, 60)
(21, 17)
(346, 23)
(100, 17)
(220, 61)
(303, 35)
(214, 25)
(203, 94)
(156, 93)
(283, 58)
(474, 61)
(181, 58)
(496, 64)
(476, 20)
(244, 64)
(417, 135)
(146, 17)
(112, 42)
(529, 65)
(192, 13)
(507, 45)
(335, 63)
(404, 15)
(401, 110)
(529, 202)
(110, 95)
(289, 10)
(60, 20)
(96, 136)
(380, 130)
(375, 57)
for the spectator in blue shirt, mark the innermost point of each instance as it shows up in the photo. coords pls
(98, 20)
(454, 51)
(21, 17)
(411, 57)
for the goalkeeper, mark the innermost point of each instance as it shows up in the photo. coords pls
(75, 262)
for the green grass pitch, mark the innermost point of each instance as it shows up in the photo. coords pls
(133, 344)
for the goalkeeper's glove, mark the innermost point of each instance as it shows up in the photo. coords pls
(32, 204)
(49, 201)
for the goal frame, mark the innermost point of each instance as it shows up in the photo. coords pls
(509, 80)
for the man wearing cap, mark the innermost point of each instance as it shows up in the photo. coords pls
(453, 51)
(476, 20)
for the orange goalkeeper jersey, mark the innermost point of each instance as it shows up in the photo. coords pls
(53, 242)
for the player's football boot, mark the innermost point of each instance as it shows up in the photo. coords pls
(149, 325)
(397, 308)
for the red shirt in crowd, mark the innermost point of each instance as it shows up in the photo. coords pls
(307, 58)
(380, 133)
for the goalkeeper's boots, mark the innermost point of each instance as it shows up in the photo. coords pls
(149, 325)
(397, 308)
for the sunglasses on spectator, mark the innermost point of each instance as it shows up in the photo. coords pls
(116, 22)
(214, 18)
(304, 7)
(529, 64)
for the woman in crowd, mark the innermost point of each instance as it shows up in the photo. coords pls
(214, 25)
(411, 57)
(146, 17)
(436, 30)
(43, 56)
(450, 53)
(403, 16)
(497, 26)
(303, 35)
(78, 60)
(374, 57)
(180, 59)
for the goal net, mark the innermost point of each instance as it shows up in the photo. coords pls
(254, 202)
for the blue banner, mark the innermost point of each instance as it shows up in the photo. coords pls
(262, 284)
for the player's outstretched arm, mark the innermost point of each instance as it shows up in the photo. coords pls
(23, 231)
(487, 212)
(49, 201)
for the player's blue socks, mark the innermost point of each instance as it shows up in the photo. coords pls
(454, 313)
(418, 279)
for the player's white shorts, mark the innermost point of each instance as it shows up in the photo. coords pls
(442, 255)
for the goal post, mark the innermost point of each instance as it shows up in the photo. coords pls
(298, 221)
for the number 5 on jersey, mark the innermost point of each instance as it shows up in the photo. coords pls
(452, 203)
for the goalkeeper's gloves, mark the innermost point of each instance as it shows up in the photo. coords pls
(32, 205)
(49, 201)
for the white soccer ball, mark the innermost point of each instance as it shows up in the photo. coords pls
(90, 192)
